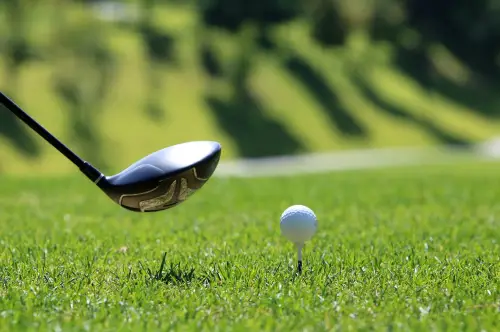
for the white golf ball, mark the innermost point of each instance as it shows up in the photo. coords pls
(298, 223)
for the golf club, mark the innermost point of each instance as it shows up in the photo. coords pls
(156, 182)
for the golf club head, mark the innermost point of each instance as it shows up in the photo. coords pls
(164, 178)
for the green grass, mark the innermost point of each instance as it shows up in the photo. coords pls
(402, 249)
(184, 88)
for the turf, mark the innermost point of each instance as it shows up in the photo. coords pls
(299, 87)
(402, 249)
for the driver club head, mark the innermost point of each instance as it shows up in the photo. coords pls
(164, 178)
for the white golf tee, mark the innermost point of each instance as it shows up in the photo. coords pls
(299, 247)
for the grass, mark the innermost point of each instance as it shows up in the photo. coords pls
(402, 249)
(284, 98)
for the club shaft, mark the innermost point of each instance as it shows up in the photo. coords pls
(91, 172)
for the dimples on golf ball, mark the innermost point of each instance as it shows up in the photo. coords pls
(298, 223)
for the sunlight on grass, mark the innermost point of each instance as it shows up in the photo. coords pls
(127, 132)
(409, 248)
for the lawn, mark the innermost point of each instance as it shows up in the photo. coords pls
(305, 98)
(402, 249)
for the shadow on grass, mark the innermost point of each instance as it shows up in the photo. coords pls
(160, 50)
(440, 134)
(171, 274)
(446, 24)
(219, 273)
(319, 88)
(18, 134)
(210, 61)
(255, 133)
(83, 121)
(416, 63)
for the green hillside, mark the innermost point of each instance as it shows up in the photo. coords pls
(301, 98)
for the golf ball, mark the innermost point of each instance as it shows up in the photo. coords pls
(298, 223)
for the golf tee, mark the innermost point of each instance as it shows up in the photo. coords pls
(299, 256)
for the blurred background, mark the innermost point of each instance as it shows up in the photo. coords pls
(116, 80)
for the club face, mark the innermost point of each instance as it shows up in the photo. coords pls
(164, 179)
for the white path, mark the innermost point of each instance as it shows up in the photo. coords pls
(357, 159)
